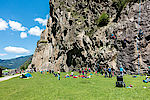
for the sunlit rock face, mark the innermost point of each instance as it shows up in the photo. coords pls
(73, 39)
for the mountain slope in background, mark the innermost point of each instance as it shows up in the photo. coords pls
(15, 62)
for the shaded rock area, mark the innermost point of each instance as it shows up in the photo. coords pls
(72, 38)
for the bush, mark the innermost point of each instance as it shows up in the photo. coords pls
(103, 20)
(26, 64)
(120, 5)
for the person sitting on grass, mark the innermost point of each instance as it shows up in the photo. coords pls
(71, 74)
(96, 72)
(23, 76)
(47, 71)
(28, 75)
(67, 76)
(147, 79)
(89, 70)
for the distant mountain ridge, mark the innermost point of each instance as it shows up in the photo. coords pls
(15, 62)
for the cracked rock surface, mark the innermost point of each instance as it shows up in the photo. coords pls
(72, 38)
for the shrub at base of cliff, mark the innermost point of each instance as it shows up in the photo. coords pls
(103, 20)
(26, 64)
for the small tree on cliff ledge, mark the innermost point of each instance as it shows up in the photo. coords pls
(103, 20)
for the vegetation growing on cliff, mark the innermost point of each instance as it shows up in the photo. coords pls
(120, 5)
(103, 20)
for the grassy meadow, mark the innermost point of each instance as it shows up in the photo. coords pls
(48, 87)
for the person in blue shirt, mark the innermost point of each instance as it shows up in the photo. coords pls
(109, 71)
(121, 70)
(58, 75)
(41, 71)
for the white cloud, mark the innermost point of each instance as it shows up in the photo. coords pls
(15, 26)
(23, 35)
(3, 24)
(35, 31)
(3, 54)
(42, 21)
(16, 50)
(19, 56)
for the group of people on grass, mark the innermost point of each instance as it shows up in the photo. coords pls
(51, 71)
(84, 71)
(106, 70)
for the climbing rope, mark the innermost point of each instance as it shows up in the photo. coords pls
(139, 19)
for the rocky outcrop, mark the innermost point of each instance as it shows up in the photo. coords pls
(73, 39)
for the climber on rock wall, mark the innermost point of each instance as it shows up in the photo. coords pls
(140, 35)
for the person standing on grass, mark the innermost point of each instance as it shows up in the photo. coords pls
(105, 70)
(96, 72)
(121, 70)
(113, 71)
(41, 71)
(101, 70)
(85, 70)
(58, 75)
(47, 71)
(50, 71)
(89, 69)
(82, 72)
(109, 71)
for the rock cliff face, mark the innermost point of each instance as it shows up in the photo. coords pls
(73, 38)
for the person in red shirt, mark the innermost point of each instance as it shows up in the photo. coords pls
(85, 70)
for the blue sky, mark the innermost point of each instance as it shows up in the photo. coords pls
(21, 22)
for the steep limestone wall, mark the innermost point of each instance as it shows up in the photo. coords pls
(73, 39)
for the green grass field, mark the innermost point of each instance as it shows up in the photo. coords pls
(48, 87)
